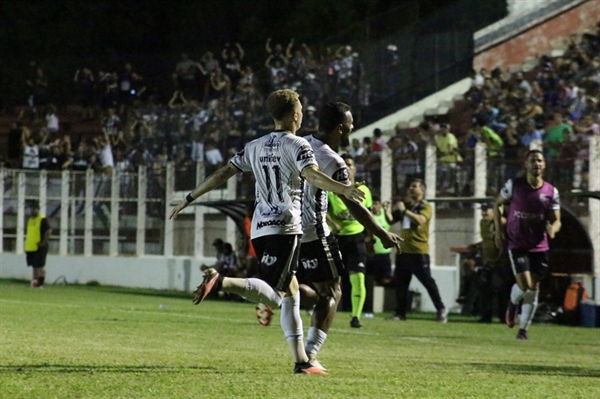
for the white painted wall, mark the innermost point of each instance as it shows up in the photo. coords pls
(157, 272)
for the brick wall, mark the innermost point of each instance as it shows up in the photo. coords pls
(541, 38)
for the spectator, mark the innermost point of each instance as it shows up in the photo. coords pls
(532, 136)
(310, 122)
(105, 154)
(14, 147)
(185, 75)
(449, 157)
(84, 79)
(52, 123)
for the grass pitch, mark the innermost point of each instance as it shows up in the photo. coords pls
(106, 342)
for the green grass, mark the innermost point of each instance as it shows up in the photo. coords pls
(106, 342)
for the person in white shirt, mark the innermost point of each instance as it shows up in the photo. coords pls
(280, 162)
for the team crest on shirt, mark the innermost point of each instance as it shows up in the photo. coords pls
(543, 198)
(273, 210)
(272, 144)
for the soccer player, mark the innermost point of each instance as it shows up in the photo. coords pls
(532, 216)
(280, 161)
(320, 259)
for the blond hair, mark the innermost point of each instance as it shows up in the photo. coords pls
(281, 103)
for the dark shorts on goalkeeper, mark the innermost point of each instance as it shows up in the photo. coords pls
(320, 260)
(278, 259)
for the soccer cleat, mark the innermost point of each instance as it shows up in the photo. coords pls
(511, 315)
(312, 359)
(522, 335)
(35, 284)
(211, 278)
(355, 323)
(264, 314)
(441, 315)
(307, 368)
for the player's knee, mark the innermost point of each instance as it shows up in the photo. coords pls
(530, 296)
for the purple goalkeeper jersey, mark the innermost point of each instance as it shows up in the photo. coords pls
(527, 214)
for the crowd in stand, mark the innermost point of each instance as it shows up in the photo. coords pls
(217, 106)
(555, 107)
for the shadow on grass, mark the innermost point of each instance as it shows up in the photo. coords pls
(88, 369)
(537, 369)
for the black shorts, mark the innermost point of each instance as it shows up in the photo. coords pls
(320, 261)
(36, 259)
(379, 266)
(354, 252)
(278, 256)
(533, 262)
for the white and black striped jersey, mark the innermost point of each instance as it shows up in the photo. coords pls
(314, 210)
(277, 160)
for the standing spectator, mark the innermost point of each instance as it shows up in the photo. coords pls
(105, 154)
(36, 244)
(405, 155)
(212, 156)
(38, 86)
(52, 123)
(532, 218)
(553, 142)
(231, 62)
(350, 234)
(128, 87)
(185, 75)
(414, 259)
(111, 123)
(14, 147)
(84, 78)
(449, 157)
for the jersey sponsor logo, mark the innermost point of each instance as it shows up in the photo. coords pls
(310, 264)
(341, 175)
(269, 158)
(305, 153)
(272, 144)
(270, 223)
(268, 260)
(527, 215)
(274, 210)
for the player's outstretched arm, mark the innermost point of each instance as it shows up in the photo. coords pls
(319, 179)
(364, 217)
(210, 183)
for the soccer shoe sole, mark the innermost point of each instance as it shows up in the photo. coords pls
(310, 370)
(207, 284)
(511, 316)
(264, 320)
